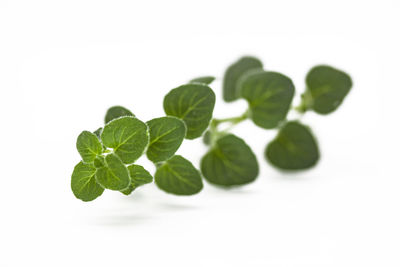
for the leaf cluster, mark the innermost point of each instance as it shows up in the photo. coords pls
(109, 153)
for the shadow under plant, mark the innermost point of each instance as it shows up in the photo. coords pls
(109, 153)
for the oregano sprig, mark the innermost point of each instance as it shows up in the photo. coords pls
(109, 153)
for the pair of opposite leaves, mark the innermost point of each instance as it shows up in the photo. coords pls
(269, 95)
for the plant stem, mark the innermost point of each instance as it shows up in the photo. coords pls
(306, 102)
(232, 120)
(215, 133)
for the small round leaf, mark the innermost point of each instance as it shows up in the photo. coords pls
(328, 87)
(114, 175)
(294, 148)
(88, 146)
(166, 136)
(269, 95)
(234, 73)
(117, 112)
(178, 176)
(83, 182)
(139, 176)
(194, 104)
(230, 162)
(128, 137)
(203, 79)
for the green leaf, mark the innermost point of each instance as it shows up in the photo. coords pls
(194, 104)
(128, 137)
(207, 138)
(203, 79)
(114, 175)
(327, 87)
(229, 162)
(117, 112)
(269, 95)
(178, 176)
(88, 146)
(98, 132)
(166, 136)
(99, 162)
(294, 148)
(139, 176)
(231, 90)
(83, 182)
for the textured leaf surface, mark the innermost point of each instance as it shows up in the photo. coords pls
(328, 88)
(88, 146)
(83, 182)
(178, 176)
(269, 95)
(114, 175)
(194, 104)
(139, 176)
(294, 148)
(233, 74)
(116, 112)
(204, 79)
(166, 136)
(230, 162)
(128, 137)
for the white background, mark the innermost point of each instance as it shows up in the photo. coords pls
(63, 63)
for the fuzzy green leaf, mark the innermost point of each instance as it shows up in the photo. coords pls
(117, 112)
(328, 87)
(139, 176)
(178, 176)
(229, 162)
(88, 146)
(194, 104)
(269, 95)
(234, 73)
(83, 182)
(294, 148)
(166, 136)
(203, 79)
(114, 175)
(128, 137)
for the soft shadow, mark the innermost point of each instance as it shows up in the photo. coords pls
(175, 207)
(235, 190)
(121, 220)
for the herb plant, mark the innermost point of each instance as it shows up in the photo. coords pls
(109, 153)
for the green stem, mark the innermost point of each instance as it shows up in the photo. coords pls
(215, 133)
(233, 120)
(306, 102)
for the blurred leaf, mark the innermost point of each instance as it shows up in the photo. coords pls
(230, 162)
(327, 87)
(294, 148)
(207, 138)
(178, 176)
(233, 74)
(269, 95)
(204, 79)
(194, 104)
